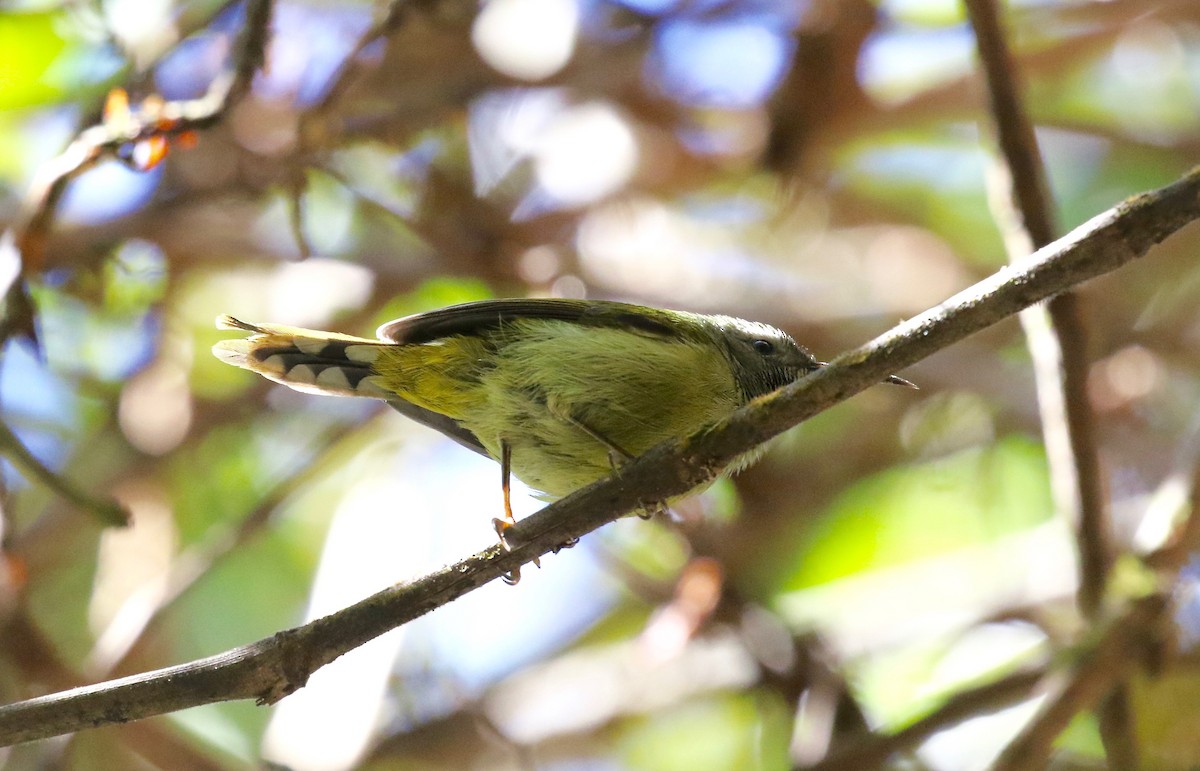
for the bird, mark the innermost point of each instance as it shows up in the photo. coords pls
(559, 391)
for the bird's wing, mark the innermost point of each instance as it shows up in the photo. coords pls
(439, 422)
(480, 317)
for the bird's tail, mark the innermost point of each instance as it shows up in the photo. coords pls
(305, 359)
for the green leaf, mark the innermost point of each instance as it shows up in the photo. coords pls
(905, 514)
(31, 43)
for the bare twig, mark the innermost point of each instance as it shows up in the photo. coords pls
(1014, 130)
(1116, 728)
(154, 119)
(873, 750)
(271, 668)
(392, 19)
(296, 188)
(1056, 335)
(105, 510)
(1058, 345)
(26, 646)
(1107, 664)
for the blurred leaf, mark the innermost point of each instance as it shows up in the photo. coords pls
(1168, 718)
(735, 731)
(135, 278)
(932, 178)
(31, 42)
(100, 750)
(947, 422)
(218, 481)
(924, 12)
(906, 514)
(88, 339)
(1082, 739)
(251, 593)
(654, 550)
(907, 683)
(60, 587)
(434, 293)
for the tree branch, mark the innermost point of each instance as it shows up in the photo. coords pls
(106, 511)
(873, 750)
(1107, 664)
(272, 668)
(1057, 342)
(1055, 334)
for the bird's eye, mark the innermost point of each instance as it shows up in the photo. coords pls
(765, 347)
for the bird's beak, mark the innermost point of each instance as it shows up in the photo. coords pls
(893, 379)
(897, 380)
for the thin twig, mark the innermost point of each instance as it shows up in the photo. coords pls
(1080, 464)
(153, 119)
(873, 750)
(297, 186)
(105, 510)
(28, 648)
(1100, 670)
(272, 668)
(392, 19)
(1115, 715)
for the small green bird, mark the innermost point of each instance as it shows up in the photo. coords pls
(558, 391)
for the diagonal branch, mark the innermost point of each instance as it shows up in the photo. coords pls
(1119, 651)
(873, 750)
(106, 511)
(272, 668)
(390, 21)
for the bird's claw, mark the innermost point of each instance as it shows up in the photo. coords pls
(648, 511)
(569, 544)
(502, 527)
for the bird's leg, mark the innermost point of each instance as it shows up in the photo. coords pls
(502, 525)
(506, 480)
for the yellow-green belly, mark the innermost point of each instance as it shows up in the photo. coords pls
(531, 384)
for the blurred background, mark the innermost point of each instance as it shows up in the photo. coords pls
(821, 165)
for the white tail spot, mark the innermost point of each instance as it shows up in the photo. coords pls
(301, 373)
(334, 379)
(310, 345)
(373, 386)
(274, 365)
(363, 354)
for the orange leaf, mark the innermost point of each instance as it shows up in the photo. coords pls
(149, 152)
